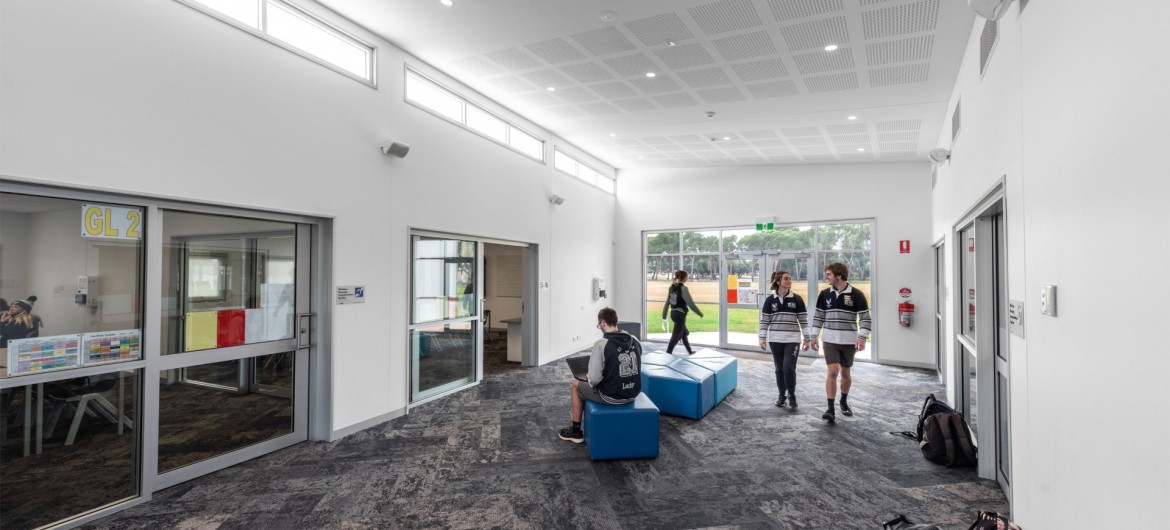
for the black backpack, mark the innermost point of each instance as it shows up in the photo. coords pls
(902, 523)
(946, 440)
(930, 407)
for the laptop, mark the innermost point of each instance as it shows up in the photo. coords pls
(579, 366)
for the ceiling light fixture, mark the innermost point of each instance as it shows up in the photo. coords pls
(671, 43)
(551, 89)
(447, 3)
(859, 149)
(710, 114)
(851, 118)
(608, 16)
(613, 135)
(726, 137)
(651, 74)
(830, 47)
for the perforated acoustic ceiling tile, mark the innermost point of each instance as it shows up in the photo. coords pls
(898, 146)
(721, 95)
(635, 104)
(707, 77)
(657, 85)
(603, 41)
(872, 2)
(773, 151)
(901, 136)
(514, 59)
(543, 99)
(599, 108)
(806, 141)
(566, 112)
(670, 101)
(816, 34)
(785, 10)
(821, 61)
(627, 142)
(613, 90)
(797, 132)
(899, 75)
(914, 124)
(855, 155)
(771, 143)
(900, 19)
(831, 82)
(725, 15)
(747, 46)
(555, 51)
(760, 70)
(656, 140)
(759, 135)
(546, 78)
(632, 65)
(898, 155)
(477, 66)
(587, 72)
(818, 157)
(848, 139)
(685, 56)
(658, 29)
(900, 51)
(847, 128)
(512, 84)
(688, 139)
(773, 89)
(575, 95)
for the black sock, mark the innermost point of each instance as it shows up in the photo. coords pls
(830, 400)
(577, 425)
(844, 397)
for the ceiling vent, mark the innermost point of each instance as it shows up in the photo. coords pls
(956, 121)
(987, 43)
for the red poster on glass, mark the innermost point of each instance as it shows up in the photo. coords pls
(230, 328)
(733, 296)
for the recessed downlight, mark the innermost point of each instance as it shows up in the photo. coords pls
(830, 47)
(860, 149)
(726, 137)
(447, 3)
(651, 74)
(608, 16)
(551, 88)
(671, 43)
(613, 135)
(851, 118)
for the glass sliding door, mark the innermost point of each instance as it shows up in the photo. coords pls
(233, 382)
(444, 321)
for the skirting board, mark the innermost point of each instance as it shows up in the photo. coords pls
(361, 426)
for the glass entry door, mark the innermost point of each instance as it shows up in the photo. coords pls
(444, 322)
(746, 286)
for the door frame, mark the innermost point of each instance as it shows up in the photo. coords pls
(768, 261)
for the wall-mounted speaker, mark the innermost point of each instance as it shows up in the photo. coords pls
(392, 148)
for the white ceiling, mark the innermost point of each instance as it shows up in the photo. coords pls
(760, 65)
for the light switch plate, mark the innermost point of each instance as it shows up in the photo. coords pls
(1048, 300)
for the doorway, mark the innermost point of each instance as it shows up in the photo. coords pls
(746, 287)
(982, 347)
(503, 306)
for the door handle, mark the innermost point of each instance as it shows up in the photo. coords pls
(304, 323)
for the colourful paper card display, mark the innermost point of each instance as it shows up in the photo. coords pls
(200, 330)
(111, 346)
(43, 354)
(230, 330)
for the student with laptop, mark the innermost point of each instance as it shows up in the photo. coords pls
(613, 376)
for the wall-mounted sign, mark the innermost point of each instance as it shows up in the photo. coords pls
(1016, 317)
(110, 222)
(765, 224)
(905, 293)
(351, 294)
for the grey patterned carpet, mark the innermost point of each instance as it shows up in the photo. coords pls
(489, 457)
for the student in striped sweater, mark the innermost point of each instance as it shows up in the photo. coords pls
(844, 314)
(780, 320)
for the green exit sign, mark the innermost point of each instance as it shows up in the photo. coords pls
(760, 227)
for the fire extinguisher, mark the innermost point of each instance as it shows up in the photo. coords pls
(905, 313)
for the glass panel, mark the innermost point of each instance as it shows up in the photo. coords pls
(246, 12)
(1001, 305)
(432, 97)
(526, 143)
(745, 285)
(72, 283)
(732, 240)
(967, 280)
(226, 281)
(587, 174)
(851, 236)
(1003, 434)
(785, 238)
(565, 163)
(859, 278)
(444, 354)
(707, 242)
(197, 422)
(313, 37)
(86, 461)
(490, 126)
(798, 268)
(664, 243)
(972, 411)
(444, 279)
(606, 184)
(659, 270)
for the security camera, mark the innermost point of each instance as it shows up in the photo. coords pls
(392, 148)
(556, 199)
(990, 9)
(940, 155)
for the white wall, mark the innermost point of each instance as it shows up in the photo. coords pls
(894, 195)
(158, 99)
(1072, 121)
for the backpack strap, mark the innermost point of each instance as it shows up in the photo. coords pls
(907, 434)
(963, 437)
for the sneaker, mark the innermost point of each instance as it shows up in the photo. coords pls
(829, 416)
(572, 435)
(792, 401)
(845, 409)
(781, 401)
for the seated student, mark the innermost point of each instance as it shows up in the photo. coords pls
(614, 373)
(19, 322)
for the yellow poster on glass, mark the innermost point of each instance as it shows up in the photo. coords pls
(200, 331)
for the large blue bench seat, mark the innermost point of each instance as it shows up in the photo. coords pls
(621, 431)
(688, 387)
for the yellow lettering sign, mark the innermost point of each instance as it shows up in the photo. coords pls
(93, 221)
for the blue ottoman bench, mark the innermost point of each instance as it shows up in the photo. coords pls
(621, 431)
(680, 389)
(724, 367)
(659, 358)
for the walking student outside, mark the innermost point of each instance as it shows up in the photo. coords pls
(780, 320)
(678, 300)
(843, 313)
